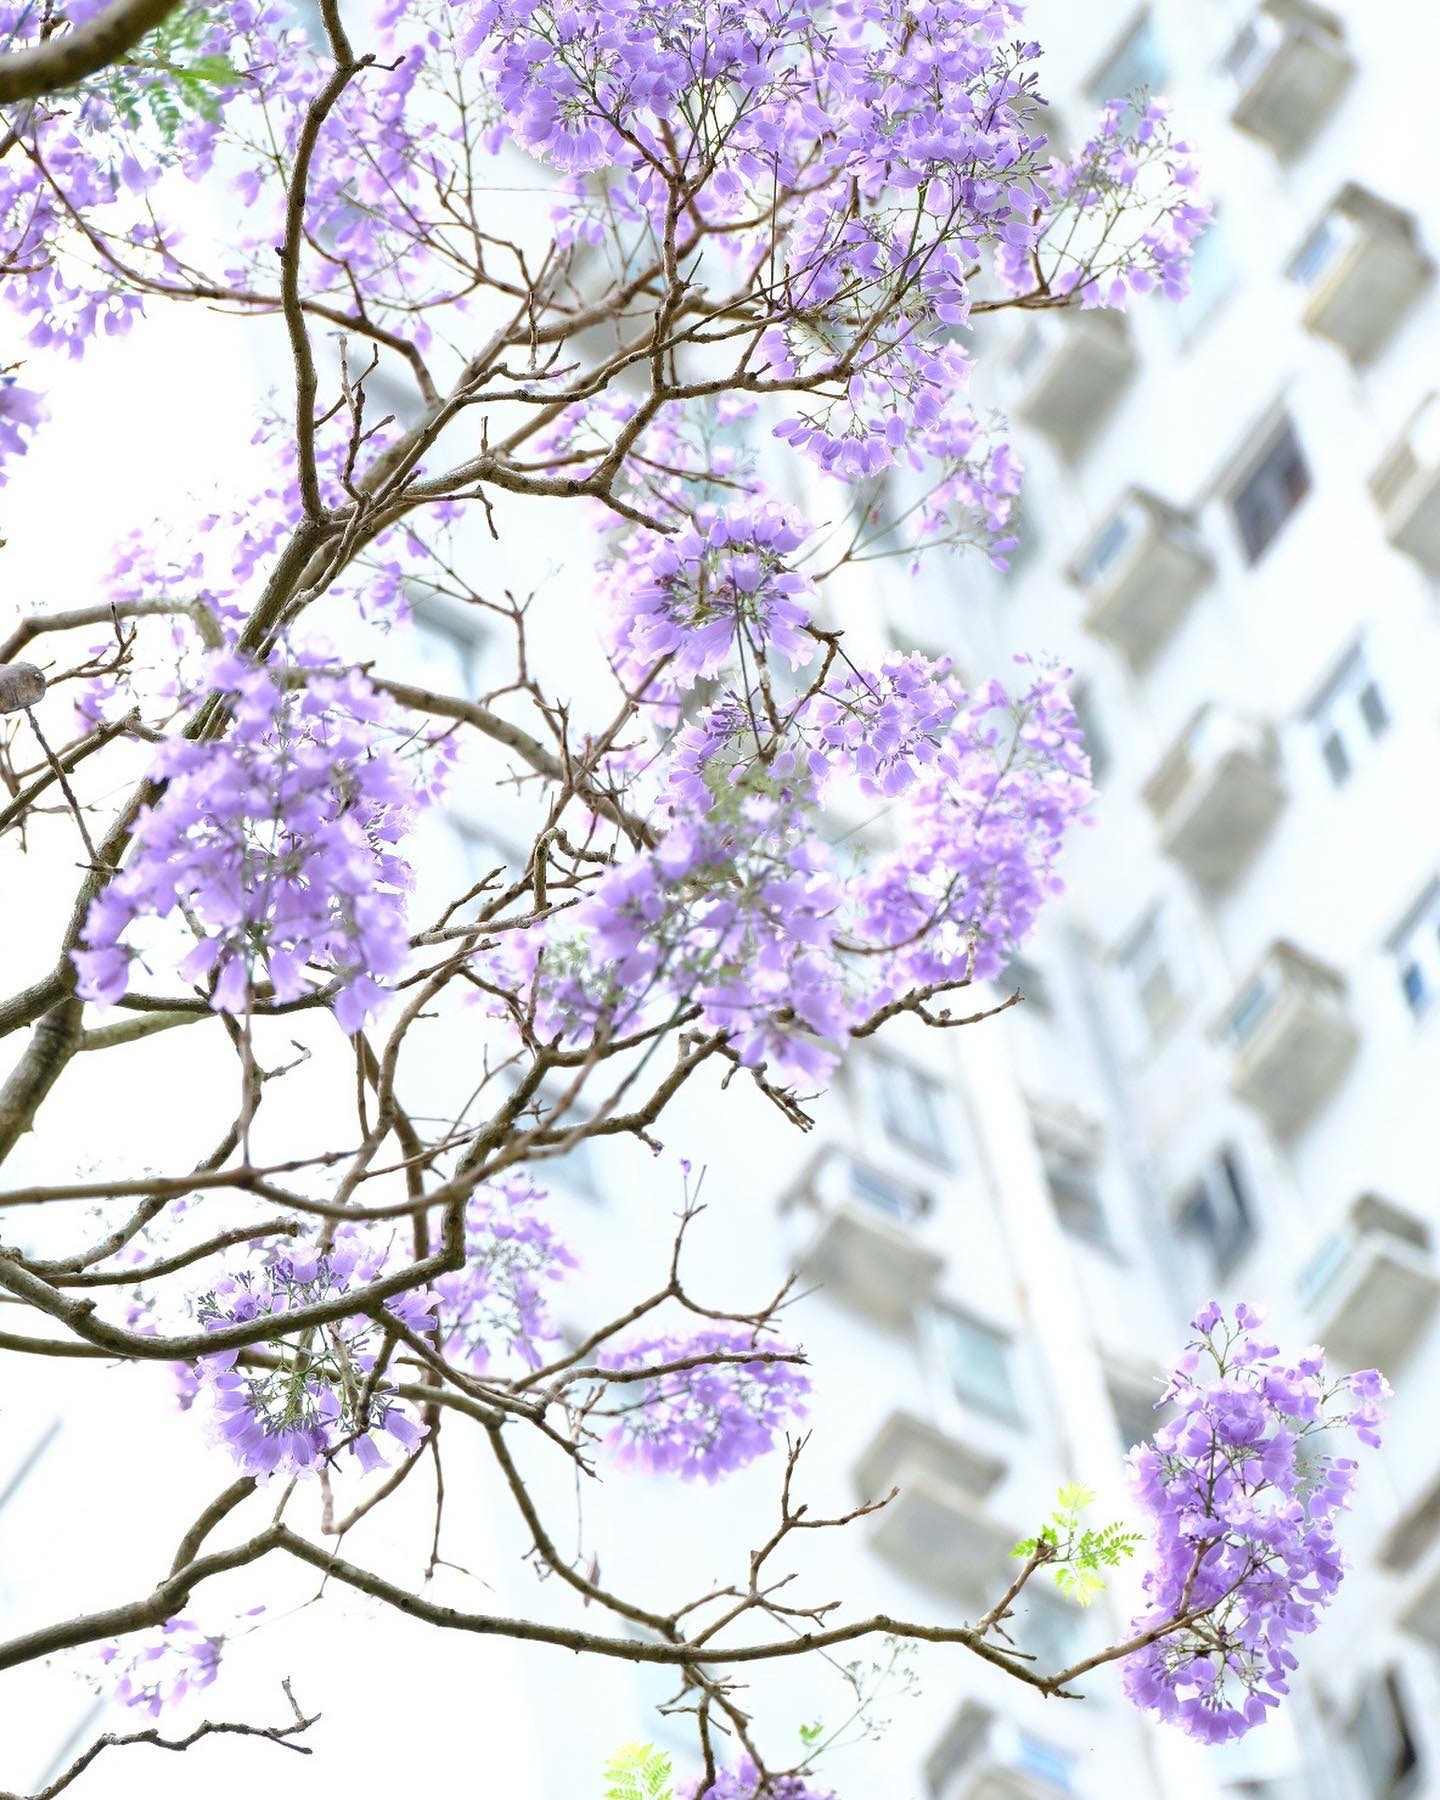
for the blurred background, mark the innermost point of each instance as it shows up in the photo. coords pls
(1222, 1080)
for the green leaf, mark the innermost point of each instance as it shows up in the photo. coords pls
(638, 1772)
(1077, 1553)
(811, 1734)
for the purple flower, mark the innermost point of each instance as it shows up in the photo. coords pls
(293, 1418)
(277, 841)
(708, 1420)
(1244, 1511)
(498, 1303)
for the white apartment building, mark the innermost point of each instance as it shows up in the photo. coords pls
(1221, 1080)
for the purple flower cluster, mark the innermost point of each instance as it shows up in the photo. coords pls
(707, 1420)
(887, 726)
(496, 1304)
(717, 591)
(743, 1783)
(978, 849)
(1245, 1507)
(738, 909)
(1135, 164)
(157, 1671)
(291, 1417)
(276, 843)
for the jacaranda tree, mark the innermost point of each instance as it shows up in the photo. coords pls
(752, 235)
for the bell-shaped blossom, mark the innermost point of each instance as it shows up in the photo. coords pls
(1244, 1497)
(705, 1421)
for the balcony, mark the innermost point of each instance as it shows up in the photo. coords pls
(856, 1241)
(1363, 268)
(1066, 372)
(907, 1448)
(1139, 573)
(1292, 1036)
(1372, 1286)
(1406, 488)
(986, 1757)
(1290, 67)
(936, 1529)
(1216, 795)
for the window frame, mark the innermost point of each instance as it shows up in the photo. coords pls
(1221, 1191)
(1419, 930)
(923, 1094)
(941, 1319)
(1349, 711)
(1258, 531)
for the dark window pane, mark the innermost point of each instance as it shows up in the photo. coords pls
(1336, 759)
(1372, 709)
(1270, 493)
(1217, 1214)
(977, 1360)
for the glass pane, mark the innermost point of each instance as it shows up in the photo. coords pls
(1372, 709)
(1274, 488)
(979, 1363)
(1320, 249)
(1337, 759)
(885, 1196)
(1111, 542)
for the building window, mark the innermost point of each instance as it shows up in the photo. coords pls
(1074, 1185)
(893, 1198)
(913, 1108)
(1128, 523)
(1335, 233)
(1150, 969)
(1383, 1742)
(1216, 1215)
(976, 1360)
(1416, 949)
(1137, 62)
(1274, 486)
(1349, 715)
(1069, 1145)
(1082, 698)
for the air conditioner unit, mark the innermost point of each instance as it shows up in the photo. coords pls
(1363, 268)
(853, 1224)
(1290, 67)
(1216, 795)
(937, 1529)
(1292, 1036)
(1406, 487)
(907, 1447)
(1066, 371)
(1139, 573)
(1371, 1288)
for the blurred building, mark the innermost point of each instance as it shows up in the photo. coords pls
(1221, 1078)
